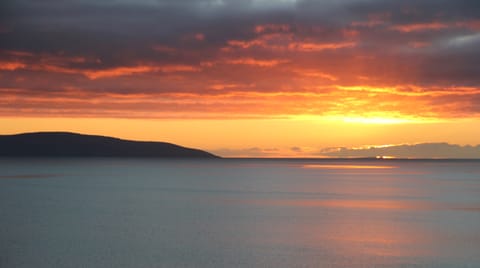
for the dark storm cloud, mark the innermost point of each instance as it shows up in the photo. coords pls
(119, 31)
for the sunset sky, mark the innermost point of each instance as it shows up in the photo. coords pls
(244, 77)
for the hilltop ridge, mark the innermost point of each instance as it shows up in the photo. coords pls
(68, 144)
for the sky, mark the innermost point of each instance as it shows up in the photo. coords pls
(244, 77)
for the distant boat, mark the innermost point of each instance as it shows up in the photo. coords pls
(66, 144)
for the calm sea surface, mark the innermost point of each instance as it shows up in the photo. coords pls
(239, 213)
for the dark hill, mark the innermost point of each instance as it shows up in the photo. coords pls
(64, 144)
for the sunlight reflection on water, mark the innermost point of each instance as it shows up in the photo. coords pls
(239, 213)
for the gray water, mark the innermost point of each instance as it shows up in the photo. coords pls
(239, 213)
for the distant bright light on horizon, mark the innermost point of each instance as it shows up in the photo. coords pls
(338, 166)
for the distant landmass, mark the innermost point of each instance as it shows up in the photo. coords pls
(66, 144)
(421, 150)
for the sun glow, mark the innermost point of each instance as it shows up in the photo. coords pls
(378, 120)
(348, 166)
(373, 120)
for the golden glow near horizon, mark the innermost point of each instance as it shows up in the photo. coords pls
(259, 137)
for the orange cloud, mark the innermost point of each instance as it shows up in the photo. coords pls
(349, 33)
(199, 36)
(120, 71)
(417, 27)
(259, 29)
(11, 66)
(245, 101)
(287, 42)
(310, 46)
(57, 65)
(418, 44)
(471, 24)
(256, 62)
(315, 73)
(244, 44)
(224, 86)
(376, 20)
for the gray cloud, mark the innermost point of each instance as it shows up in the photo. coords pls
(423, 150)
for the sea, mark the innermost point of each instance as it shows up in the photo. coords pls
(107, 212)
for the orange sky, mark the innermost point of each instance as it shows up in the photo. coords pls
(252, 79)
(259, 137)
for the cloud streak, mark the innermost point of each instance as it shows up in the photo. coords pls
(422, 150)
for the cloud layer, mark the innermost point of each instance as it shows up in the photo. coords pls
(239, 59)
(423, 150)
